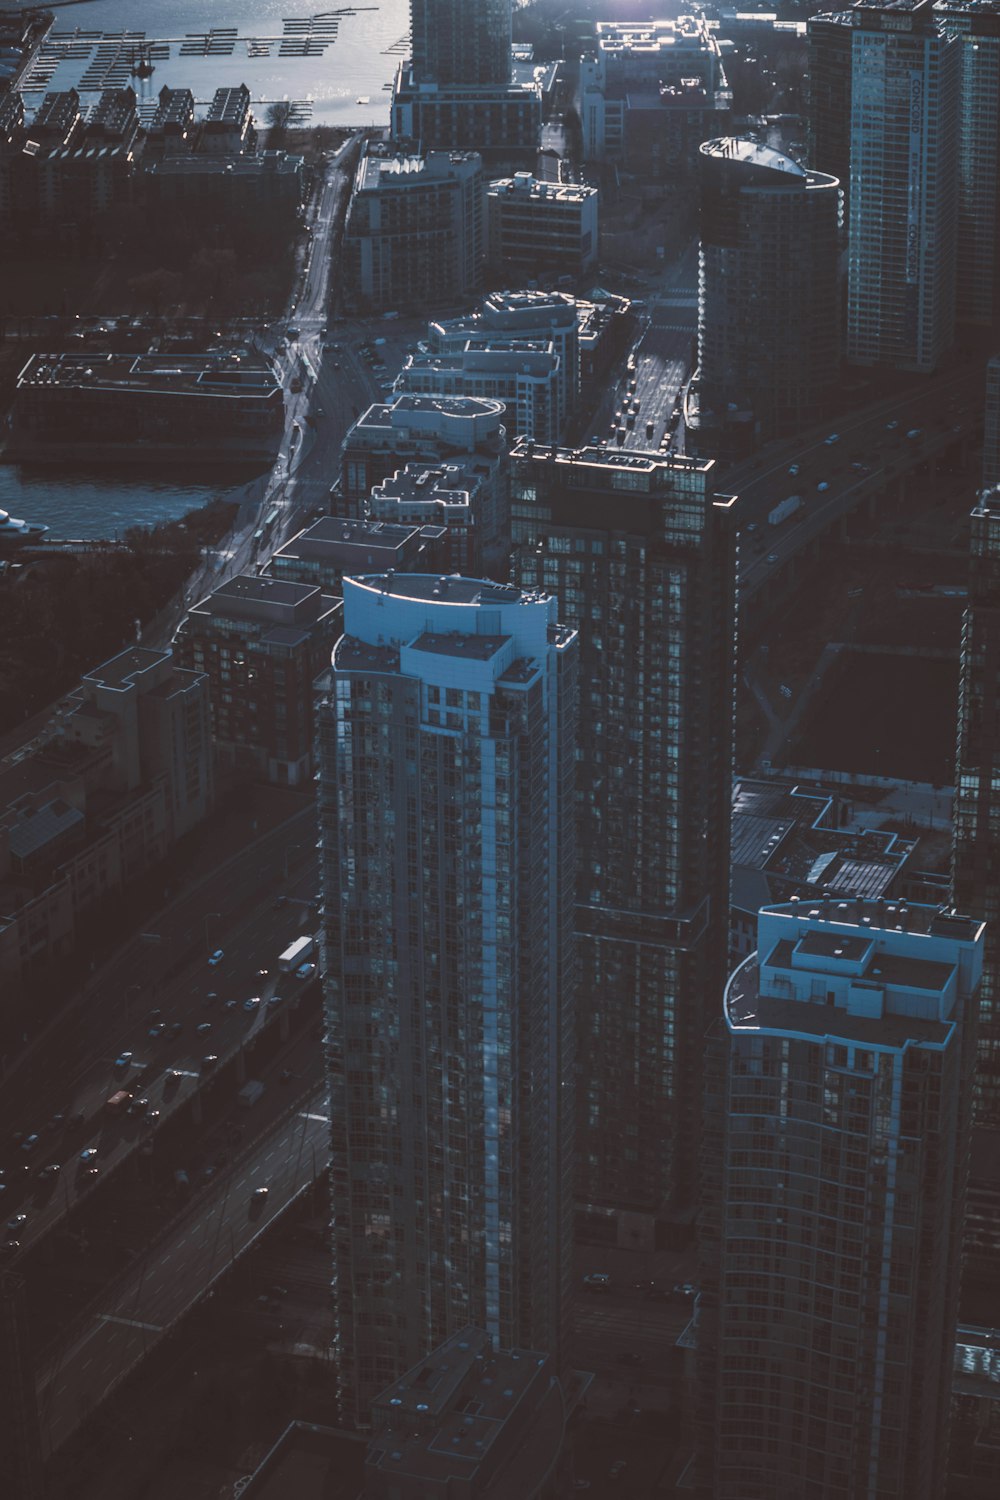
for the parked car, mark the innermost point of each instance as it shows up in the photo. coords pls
(597, 1281)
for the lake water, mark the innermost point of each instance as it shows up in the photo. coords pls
(361, 59)
(358, 63)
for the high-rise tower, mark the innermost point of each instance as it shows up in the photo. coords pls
(836, 1180)
(639, 552)
(978, 24)
(447, 736)
(976, 852)
(887, 92)
(461, 42)
(768, 298)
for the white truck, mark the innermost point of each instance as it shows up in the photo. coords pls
(296, 953)
(782, 511)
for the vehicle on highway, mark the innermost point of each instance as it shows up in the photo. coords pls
(150, 1118)
(209, 1061)
(685, 1289)
(137, 1107)
(216, 957)
(17, 1222)
(891, 426)
(203, 1028)
(29, 1143)
(118, 1101)
(11, 1247)
(305, 971)
(55, 1122)
(833, 438)
(783, 510)
(793, 469)
(251, 1003)
(292, 331)
(155, 1032)
(52, 1170)
(772, 557)
(174, 1075)
(822, 485)
(259, 1195)
(123, 1062)
(597, 1281)
(176, 1027)
(296, 953)
(914, 432)
(87, 1155)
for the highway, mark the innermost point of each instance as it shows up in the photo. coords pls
(220, 1224)
(70, 1072)
(873, 450)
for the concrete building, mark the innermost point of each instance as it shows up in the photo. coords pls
(414, 232)
(496, 122)
(228, 128)
(522, 373)
(539, 317)
(171, 131)
(461, 504)
(220, 187)
(839, 1110)
(640, 553)
(143, 407)
(261, 642)
(975, 867)
(768, 297)
(447, 734)
(791, 840)
(89, 812)
(902, 96)
(469, 1420)
(331, 547)
(423, 429)
(991, 425)
(456, 91)
(534, 226)
(652, 93)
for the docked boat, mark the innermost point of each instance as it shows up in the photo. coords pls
(12, 530)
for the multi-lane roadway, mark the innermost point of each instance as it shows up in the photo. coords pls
(838, 467)
(201, 1245)
(59, 1091)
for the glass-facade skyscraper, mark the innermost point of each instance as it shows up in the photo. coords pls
(768, 289)
(639, 552)
(447, 734)
(456, 42)
(887, 93)
(835, 1164)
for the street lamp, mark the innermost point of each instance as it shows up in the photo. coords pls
(208, 917)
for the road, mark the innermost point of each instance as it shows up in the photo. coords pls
(71, 1071)
(663, 353)
(201, 1246)
(873, 450)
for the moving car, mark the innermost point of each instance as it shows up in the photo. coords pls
(216, 957)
